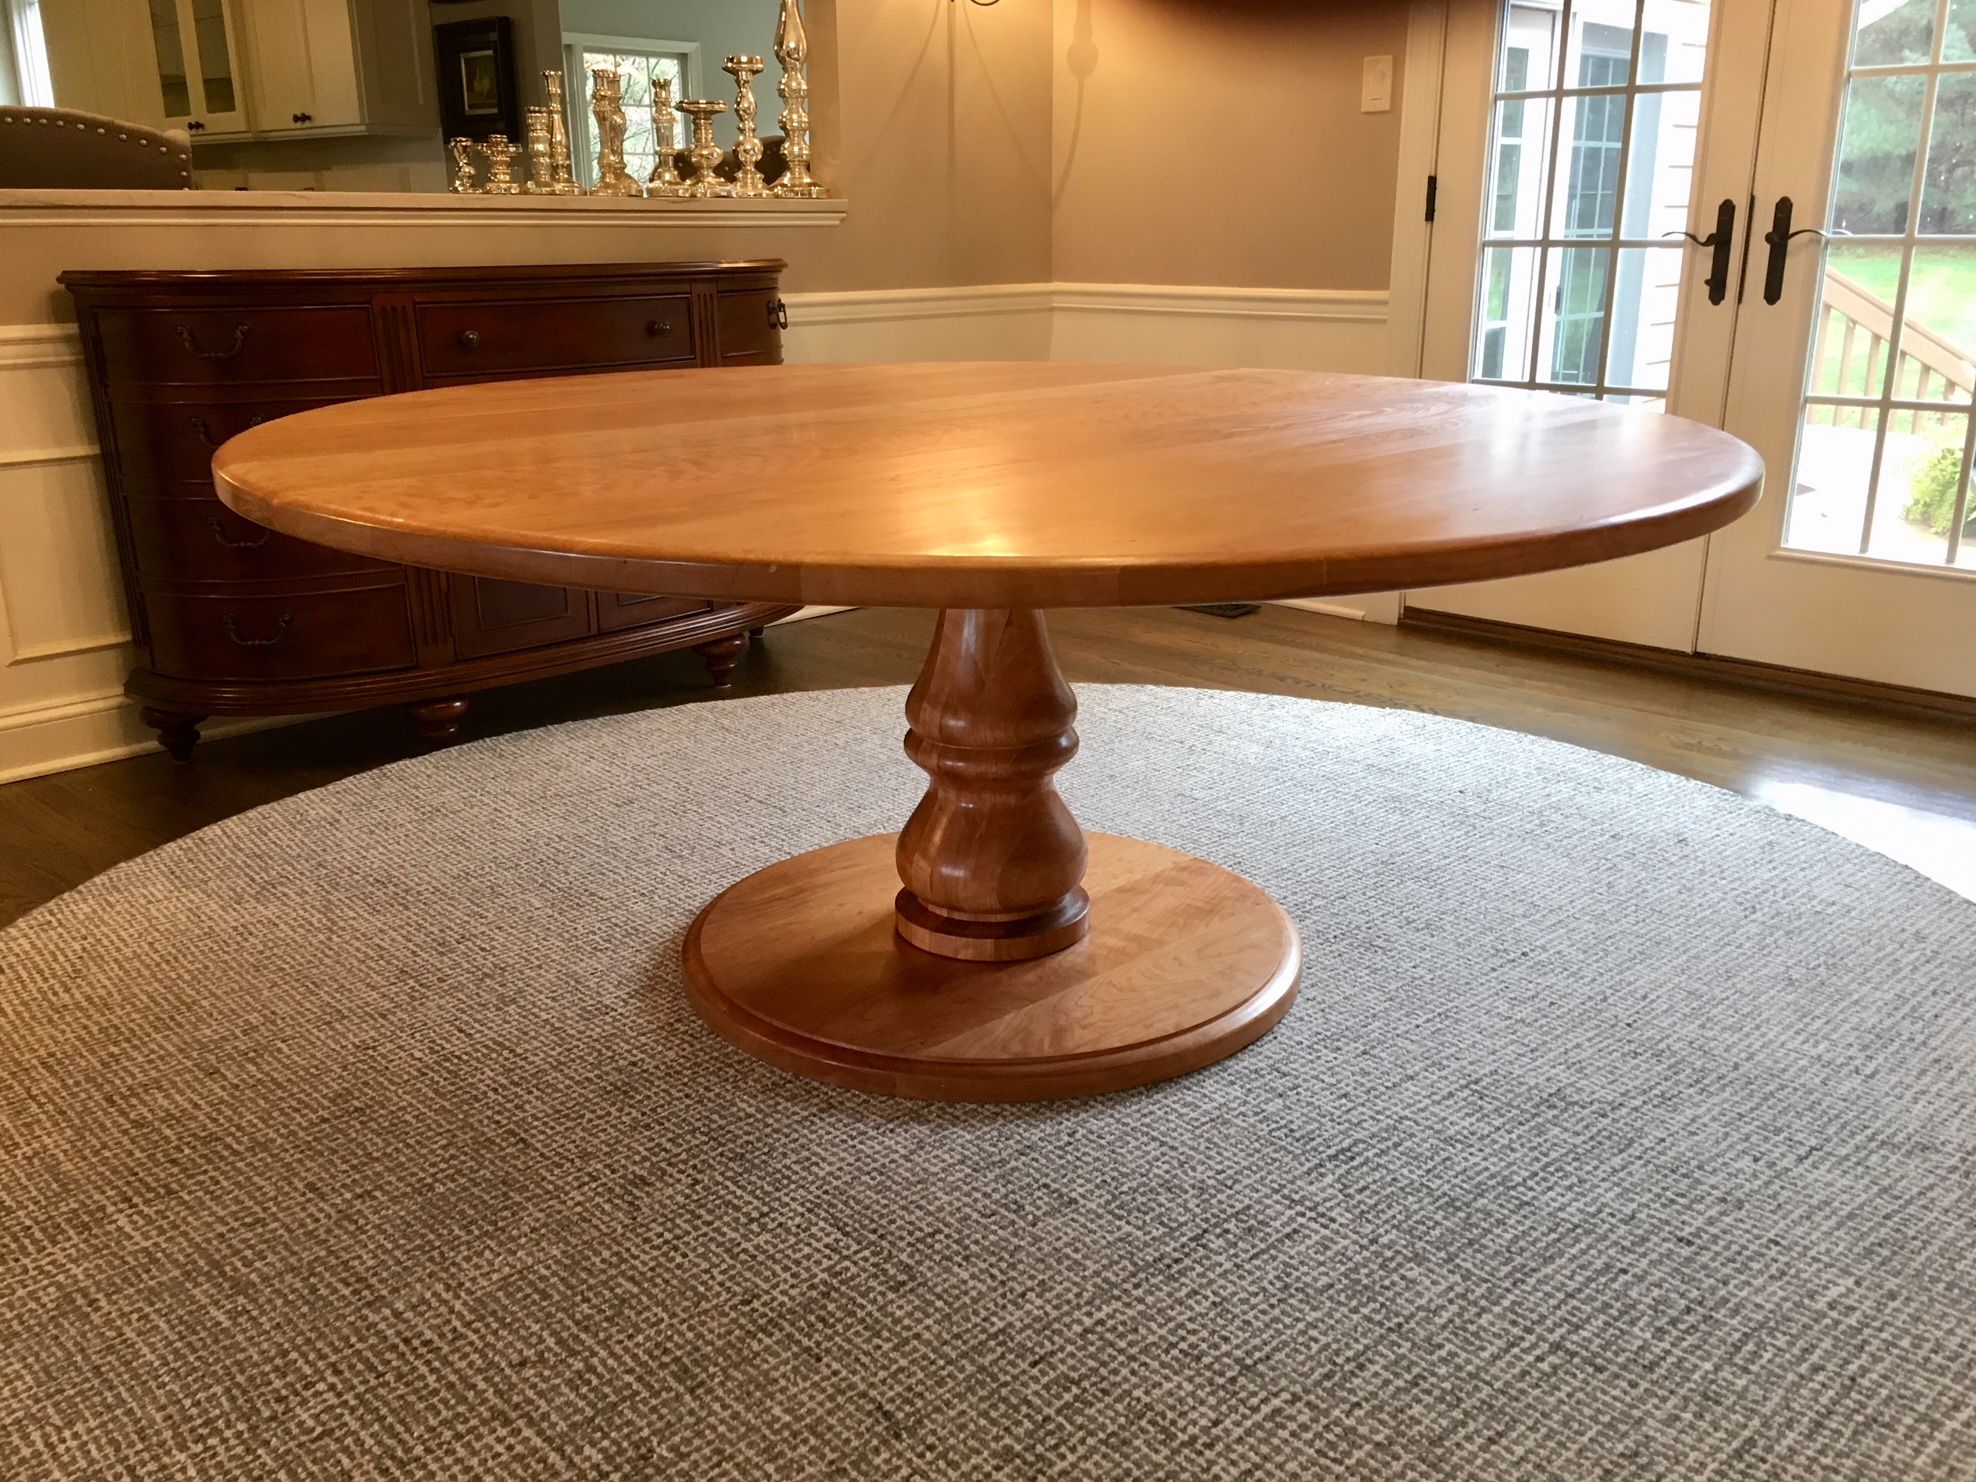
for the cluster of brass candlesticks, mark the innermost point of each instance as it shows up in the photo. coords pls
(547, 144)
(546, 147)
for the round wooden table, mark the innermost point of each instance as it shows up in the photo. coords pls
(990, 950)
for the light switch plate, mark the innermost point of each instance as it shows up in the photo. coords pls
(1376, 86)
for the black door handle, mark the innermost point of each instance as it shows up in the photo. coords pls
(1718, 242)
(1779, 237)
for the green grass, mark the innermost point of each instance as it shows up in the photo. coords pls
(1942, 295)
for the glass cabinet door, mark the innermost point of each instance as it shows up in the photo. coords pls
(194, 42)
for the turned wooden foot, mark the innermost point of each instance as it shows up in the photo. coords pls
(721, 655)
(177, 731)
(992, 861)
(437, 722)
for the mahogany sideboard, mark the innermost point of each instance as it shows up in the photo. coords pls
(229, 618)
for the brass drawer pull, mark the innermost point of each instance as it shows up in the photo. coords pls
(778, 314)
(660, 329)
(280, 631)
(239, 341)
(204, 430)
(220, 538)
(469, 339)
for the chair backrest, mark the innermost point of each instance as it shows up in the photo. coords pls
(67, 149)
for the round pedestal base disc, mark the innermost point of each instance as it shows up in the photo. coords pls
(800, 965)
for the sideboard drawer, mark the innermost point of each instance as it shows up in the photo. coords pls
(577, 334)
(233, 346)
(202, 540)
(162, 442)
(294, 635)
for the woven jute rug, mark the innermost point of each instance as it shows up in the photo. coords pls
(1623, 1129)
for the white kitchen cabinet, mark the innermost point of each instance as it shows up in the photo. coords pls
(247, 69)
(338, 67)
(194, 50)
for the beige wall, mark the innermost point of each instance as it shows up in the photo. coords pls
(1220, 142)
(937, 125)
(1213, 142)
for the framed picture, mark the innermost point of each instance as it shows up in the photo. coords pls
(477, 97)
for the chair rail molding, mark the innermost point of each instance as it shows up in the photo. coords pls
(311, 210)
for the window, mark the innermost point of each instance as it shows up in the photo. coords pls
(639, 63)
(1596, 104)
(1509, 140)
(33, 86)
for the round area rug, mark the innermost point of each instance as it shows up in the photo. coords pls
(1623, 1128)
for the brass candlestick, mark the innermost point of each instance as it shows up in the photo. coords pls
(705, 154)
(562, 180)
(541, 155)
(462, 152)
(500, 157)
(792, 50)
(607, 108)
(664, 179)
(748, 180)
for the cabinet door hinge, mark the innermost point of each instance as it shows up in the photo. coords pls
(1433, 187)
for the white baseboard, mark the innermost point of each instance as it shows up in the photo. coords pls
(1373, 607)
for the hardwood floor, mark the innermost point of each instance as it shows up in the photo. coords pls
(1903, 785)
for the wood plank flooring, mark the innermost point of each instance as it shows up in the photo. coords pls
(1902, 785)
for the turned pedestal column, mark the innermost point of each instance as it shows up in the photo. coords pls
(991, 950)
(991, 860)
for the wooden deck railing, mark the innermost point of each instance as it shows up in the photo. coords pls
(1854, 331)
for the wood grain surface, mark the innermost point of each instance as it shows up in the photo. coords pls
(991, 859)
(800, 966)
(987, 485)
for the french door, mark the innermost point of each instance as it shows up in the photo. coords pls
(1611, 179)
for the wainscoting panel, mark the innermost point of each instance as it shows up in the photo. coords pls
(1289, 329)
(63, 629)
(997, 321)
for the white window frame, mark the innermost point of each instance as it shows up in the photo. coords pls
(33, 83)
(582, 128)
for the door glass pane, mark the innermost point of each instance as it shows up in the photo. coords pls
(1948, 194)
(215, 62)
(1921, 473)
(1591, 179)
(1641, 352)
(1876, 153)
(1579, 283)
(1835, 471)
(1959, 40)
(1516, 174)
(1887, 34)
(1591, 131)
(1675, 40)
(1599, 46)
(1660, 165)
(1506, 314)
(1880, 467)
(171, 58)
(1531, 40)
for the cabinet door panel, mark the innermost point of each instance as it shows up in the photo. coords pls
(277, 62)
(498, 617)
(332, 65)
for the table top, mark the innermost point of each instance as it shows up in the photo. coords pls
(987, 485)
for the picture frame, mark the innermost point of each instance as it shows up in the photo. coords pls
(477, 94)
